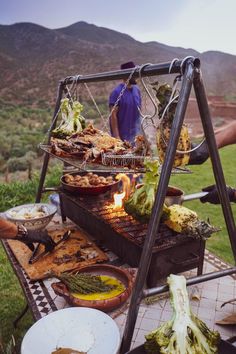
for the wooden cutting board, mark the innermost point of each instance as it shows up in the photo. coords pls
(78, 251)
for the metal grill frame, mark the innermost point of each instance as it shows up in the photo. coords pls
(189, 68)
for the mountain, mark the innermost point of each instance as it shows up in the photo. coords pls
(33, 59)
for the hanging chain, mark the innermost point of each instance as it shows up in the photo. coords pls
(122, 92)
(96, 106)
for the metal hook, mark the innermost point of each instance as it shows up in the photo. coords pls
(172, 64)
(76, 85)
(183, 62)
(148, 93)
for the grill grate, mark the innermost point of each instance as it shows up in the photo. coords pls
(127, 226)
(125, 236)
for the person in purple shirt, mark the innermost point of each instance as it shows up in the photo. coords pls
(125, 118)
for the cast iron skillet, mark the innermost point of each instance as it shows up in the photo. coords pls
(90, 190)
(224, 348)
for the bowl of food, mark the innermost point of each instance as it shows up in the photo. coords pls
(89, 183)
(73, 330)
(33, 216)
(100, 286)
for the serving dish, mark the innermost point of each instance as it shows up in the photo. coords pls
(83, 329)
(91, 190)
(33, 216)
(107, 304)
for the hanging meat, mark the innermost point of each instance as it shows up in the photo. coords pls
(166, 112)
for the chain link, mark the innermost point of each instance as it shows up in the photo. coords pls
(96, 106)
(122, 92)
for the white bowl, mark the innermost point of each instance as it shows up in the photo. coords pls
(15, 215)
(79, 328)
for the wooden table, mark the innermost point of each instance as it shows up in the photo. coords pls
(40, 296)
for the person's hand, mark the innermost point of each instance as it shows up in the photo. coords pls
(200, 155)
(32, 237)
(213, 196)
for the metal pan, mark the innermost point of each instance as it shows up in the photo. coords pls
(224, 348)
(89, 190)
(176, 196)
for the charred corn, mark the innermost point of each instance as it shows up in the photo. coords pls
(163, 136)
(185, 221)
(164, 93)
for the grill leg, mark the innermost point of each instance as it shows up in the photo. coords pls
(63, 214)
(201, 261)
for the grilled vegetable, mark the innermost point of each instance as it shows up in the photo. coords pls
(140, 204)
(72, 120)
(186, 221)
(84, 283)
(184, 333)
(163, 94)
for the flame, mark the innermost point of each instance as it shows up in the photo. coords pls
(125, 182)
(118, 200)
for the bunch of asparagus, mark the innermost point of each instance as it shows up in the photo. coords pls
(84, 283)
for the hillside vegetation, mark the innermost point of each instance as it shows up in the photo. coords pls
(23, 128)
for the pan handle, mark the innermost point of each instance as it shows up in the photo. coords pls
(51, 189)
(193, 196)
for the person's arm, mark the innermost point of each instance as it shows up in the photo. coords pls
(213, 197)
(8, 230)
(114, 123)
(226, 136)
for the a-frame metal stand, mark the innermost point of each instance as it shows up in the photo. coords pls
(191, 77)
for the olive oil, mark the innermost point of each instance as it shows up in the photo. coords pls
(117, 290)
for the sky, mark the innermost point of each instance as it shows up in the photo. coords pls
(199, 24)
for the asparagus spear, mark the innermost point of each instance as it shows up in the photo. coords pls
(84, 283)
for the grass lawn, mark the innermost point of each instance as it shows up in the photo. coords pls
(12, 299)
(12, 302)
(203, 176)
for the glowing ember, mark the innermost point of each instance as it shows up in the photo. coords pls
(118, 200)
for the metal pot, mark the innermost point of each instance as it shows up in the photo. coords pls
(176, 196)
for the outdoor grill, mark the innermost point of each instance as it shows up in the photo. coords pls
(122, 234)
(154, 249)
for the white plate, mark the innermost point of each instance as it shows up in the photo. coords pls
(82, 329)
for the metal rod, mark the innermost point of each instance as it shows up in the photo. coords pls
(149, 70)
(191, 281)
(158, 205)
(215, 158)
(46, 156)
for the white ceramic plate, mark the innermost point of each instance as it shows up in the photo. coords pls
(82, 329)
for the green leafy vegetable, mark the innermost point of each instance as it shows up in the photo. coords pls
(72, 121)
(184, 333)
(140, 204)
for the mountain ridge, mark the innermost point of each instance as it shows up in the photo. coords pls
(33, 59)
